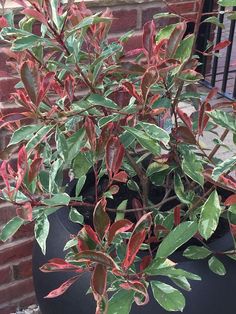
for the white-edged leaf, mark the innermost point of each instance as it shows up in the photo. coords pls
(168, 297)
(210, 215)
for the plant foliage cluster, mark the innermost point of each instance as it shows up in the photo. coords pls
(116, 115)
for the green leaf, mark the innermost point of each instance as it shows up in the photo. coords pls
(165, 32)
(155, 132)
(168, 297)
(155, 167)
(164, 15)
(86, 22)
(79, 185)
(216, 266)
(184, 50)
(224, 119)
(71, 243)
(214, 20)
(23, 134)
(144, 140)
(121, 302)
(223, 167)
(122, 206)
(25, 42)
(81, 165)
(196, 252)
(41, 231)
(210, 215)
(181, 282)
(54, 170)
(171, 272)
(103, 121)
(177, 237)
(75, 143)
(232, 209)
(185, 198)
(227, 3)
(57, 199)
(38, 137)
(10, 228)
(190, 76)
(62, 147)
(192, 166)
(99, 100)
(76, 217)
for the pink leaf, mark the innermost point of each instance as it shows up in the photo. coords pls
(118, 227)
(221, 45)
(185, 118)
(121, 177)
(35, 14)
(177, 217)
(148, 38)
(139, 287)
(58, 264)
(63, 288)
(114, 155)
(133, 247)
(231, 200)
(99, 281)
(34, 169)
(101, 220)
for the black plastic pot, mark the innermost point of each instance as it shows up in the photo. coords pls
(214, 294)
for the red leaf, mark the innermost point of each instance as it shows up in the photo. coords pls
(184, 134)
(133, 247)
(70, 87)
(223, 44)
(92, 234)
(114, 189)
(130, 88)
(25, 211)
(35, 14)
(99, 281)
(22, 166)
(30, 78)
(175, 39)
(139, 287)
(45, 85)
(137, 204)
(96, 257)
(177, 217)
(134, 52)
(148, 38)
(213, 92)
(118, 227)
(185, 118)
(203, 117)
(231, 200)
(12, 117)
(146, 260)
(114, 155)
(34, 169)
(148, 79)
(63, 288)
(3, 22)
(90, 131)
(4, 175)
(144, 223)
(101, 220)
(58, 264)
(121, 177)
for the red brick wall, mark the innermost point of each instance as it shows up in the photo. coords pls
(16, 287)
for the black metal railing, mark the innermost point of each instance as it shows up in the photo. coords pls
(219, 71)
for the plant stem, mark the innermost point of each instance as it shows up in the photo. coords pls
(217, 147)
(142, 177)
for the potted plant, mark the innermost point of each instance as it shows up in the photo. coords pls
(106, 152)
